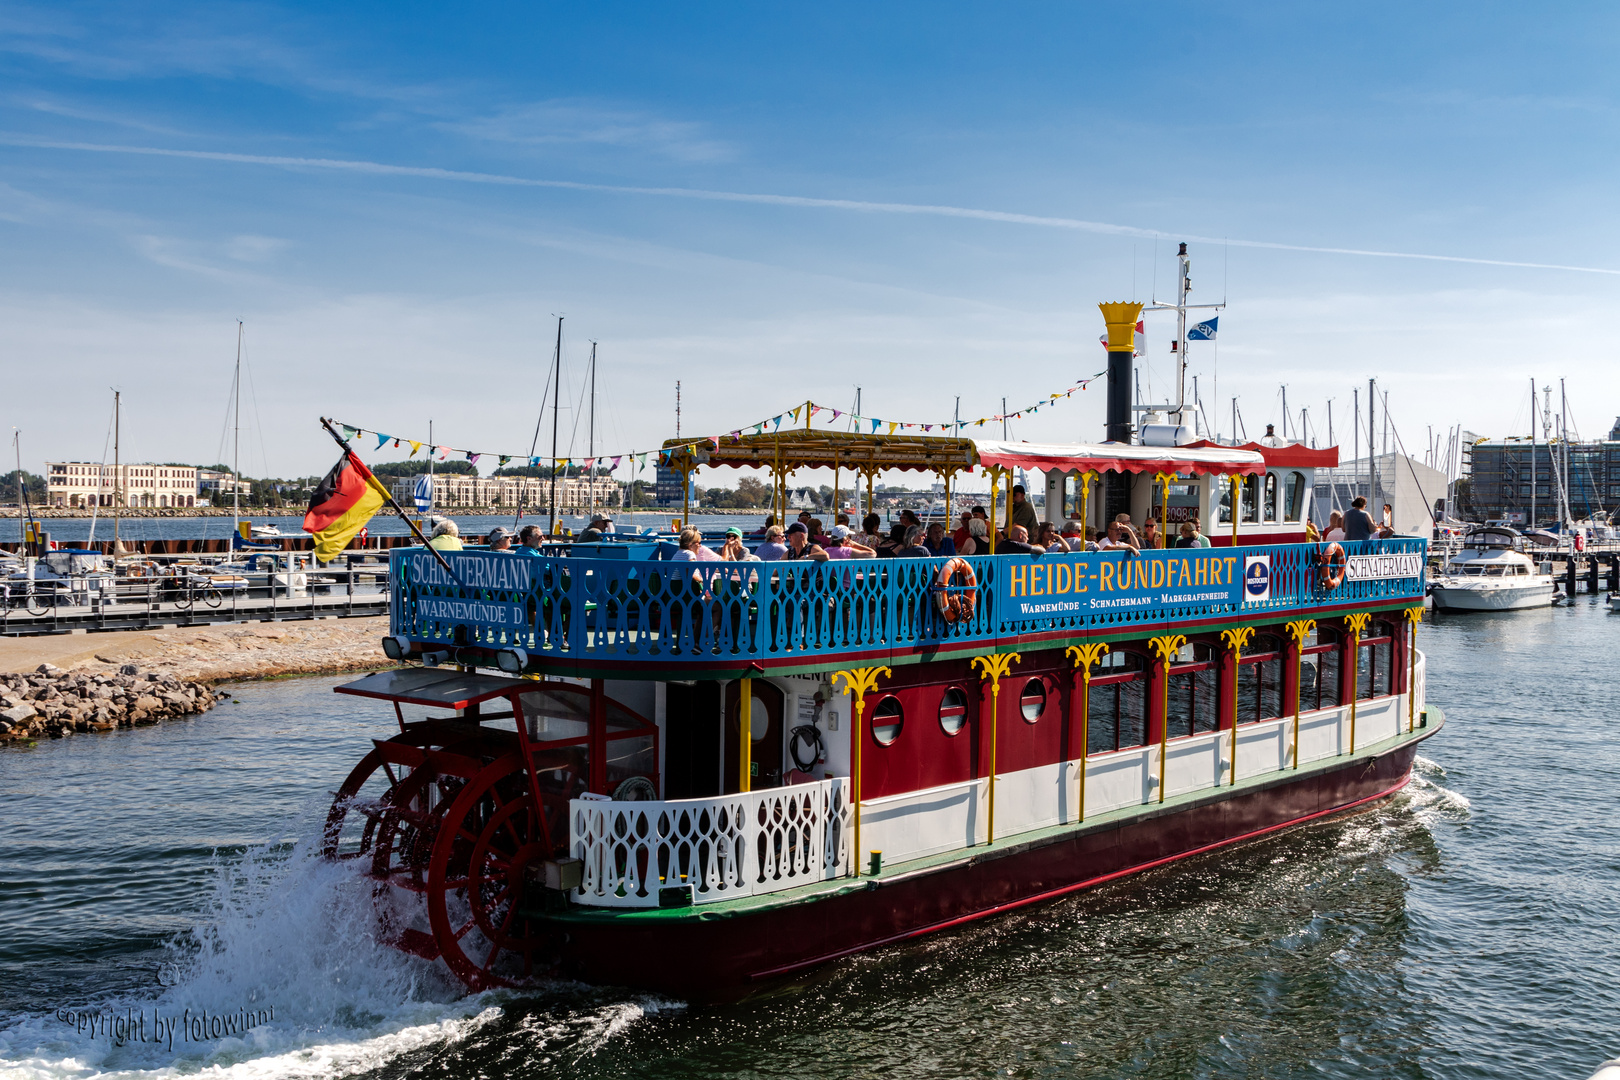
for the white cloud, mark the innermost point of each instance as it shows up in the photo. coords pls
(550, 123)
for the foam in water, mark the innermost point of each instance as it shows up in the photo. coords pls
(286, 930)
(1430, 797)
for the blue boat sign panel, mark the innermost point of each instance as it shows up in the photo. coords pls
(492, 613)
(1065, 585)
(1256, 579)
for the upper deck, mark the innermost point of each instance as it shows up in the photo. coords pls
(616, 610)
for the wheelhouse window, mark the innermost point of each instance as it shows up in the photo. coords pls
(887, 719)
(1193, 701)
(1295, 496)
(1269, 503)
(1259, 686)
(1223, 509)
(1375, 661)
(1032, 702)
(1251, 498)
(953, 711)
(1116, 714)
(1319, 670)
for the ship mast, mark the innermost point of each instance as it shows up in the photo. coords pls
(1179, 345)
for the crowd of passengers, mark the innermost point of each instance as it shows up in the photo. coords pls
(908, 538)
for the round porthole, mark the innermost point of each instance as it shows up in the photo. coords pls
(887, 719)
(953, 711)
(1032, 702)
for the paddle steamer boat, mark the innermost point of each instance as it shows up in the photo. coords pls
(700, 777)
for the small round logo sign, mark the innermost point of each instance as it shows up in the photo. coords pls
(1257, 578)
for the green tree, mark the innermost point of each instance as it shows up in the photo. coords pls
(33, 482)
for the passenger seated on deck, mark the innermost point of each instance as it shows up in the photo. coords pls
(818, 532)
(871, 535)
(959, 537)
(978, 540)
(773, 548)
(500, 539)
(593, 533)
(1358, 524)
(529, 540)
(1191, 537)
(844, 547)
(1335, 529)
(1119, 537)
(1050, 539)
(692, 549)
(446, 536)
(799, 545)
(734, 550)
(913, 548)
(937, 542)
(1017, 542)
(770, 519)
(1074, 535)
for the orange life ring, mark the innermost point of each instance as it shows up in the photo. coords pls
(956, 606)
(1332, 562)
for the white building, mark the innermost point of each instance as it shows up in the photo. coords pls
(1410, 486)
(85, 483)
(457, 489)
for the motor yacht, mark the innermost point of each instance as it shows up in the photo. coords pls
(1492, 573)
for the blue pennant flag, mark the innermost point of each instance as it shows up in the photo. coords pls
(423, 495)
(1204, 331)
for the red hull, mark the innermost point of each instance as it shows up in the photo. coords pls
(719, 953)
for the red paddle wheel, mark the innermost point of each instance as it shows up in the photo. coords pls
(456, 815)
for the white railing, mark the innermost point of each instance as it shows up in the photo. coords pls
(766, 841)
(722, 848)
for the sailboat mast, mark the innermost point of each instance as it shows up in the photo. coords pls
(1563, 430)
(118, 474)
(236, 443)
(1532, 453)
(590, 435)
(556, 402)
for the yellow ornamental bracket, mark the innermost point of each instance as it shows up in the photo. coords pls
(1164, 480)
(1165, 648)
(1355, 623)
(1084, 658)
(1085, 495)
(858, 682)
(1299, 630)
(1414, 615)
(993, 667)
(1235, 639)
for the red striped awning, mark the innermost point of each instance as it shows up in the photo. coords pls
(1121, 457)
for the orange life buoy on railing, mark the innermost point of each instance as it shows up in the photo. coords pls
(1332, 562)
(954, 606)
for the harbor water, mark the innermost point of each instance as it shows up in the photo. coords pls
(1465, 928)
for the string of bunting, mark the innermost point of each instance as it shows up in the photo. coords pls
(774, 423)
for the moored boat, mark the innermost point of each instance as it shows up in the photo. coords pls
(1492, 573)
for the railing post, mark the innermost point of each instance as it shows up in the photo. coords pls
(1355, 623)
(1414, 615)
(1298, 630)
(1166, 647)
(1235, 640)
(857, 682)
(1084, 658)
(993, 667)
(745, 735)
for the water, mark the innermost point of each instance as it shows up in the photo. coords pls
(76, 530)
(1463, 929)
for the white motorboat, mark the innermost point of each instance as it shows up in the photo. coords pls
(265, 531)
(1491, 573)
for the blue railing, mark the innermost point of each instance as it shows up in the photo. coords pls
(628, 611)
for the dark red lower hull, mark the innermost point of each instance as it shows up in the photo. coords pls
(725, 953)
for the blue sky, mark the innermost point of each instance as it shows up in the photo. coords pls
(396, 199)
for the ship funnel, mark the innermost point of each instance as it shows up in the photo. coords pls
(1120, 318)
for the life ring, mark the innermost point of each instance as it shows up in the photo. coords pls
(1332, 562)
(956, 606)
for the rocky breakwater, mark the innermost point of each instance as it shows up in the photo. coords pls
(53, 703)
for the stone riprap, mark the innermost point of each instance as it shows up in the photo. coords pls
(52, 703)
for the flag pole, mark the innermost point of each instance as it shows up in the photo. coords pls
(437, 554)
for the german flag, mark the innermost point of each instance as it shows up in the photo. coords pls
(342, 504)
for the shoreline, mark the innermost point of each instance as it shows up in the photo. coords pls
(223, 652)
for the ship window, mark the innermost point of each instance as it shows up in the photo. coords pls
(1191, 702)
(1375, 662)
(1116, 711)
(1223, 512)
(1032, 702)
(1294, 495)
(1270, 502)
(1251, 498)
(1319, 671)
(953, 711)
(887, 720)
(1259, 679)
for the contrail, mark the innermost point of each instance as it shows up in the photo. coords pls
(1077, 224)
